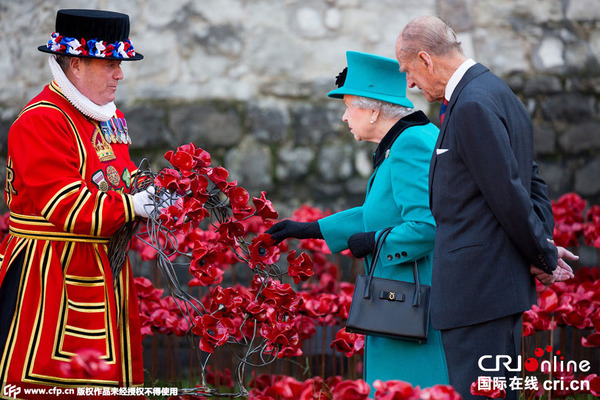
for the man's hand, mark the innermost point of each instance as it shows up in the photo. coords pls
(166, 198)
(144, 202)
(562, 272)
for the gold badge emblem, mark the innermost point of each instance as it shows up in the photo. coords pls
(98, 179)
(10, 178)
(113, 176)
(103, 149)
(126, 177)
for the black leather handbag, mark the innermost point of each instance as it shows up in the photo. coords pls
(389, 308)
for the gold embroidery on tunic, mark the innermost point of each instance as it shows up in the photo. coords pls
(103, 149)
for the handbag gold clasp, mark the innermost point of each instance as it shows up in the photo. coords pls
(392, 296)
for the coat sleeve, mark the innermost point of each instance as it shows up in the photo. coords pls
(337, 228)
(484, 145)
(542, 205)
(49, 162)
(409, 161)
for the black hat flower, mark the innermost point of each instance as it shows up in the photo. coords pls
(92, 34)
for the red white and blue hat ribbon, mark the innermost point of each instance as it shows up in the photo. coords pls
(92, 47)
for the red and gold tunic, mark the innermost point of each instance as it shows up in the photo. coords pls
(66, 190)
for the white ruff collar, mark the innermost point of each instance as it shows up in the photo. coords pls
(79, 101)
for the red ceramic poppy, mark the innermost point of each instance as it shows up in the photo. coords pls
(229, 231)
(239, 197)
(568, 218)
(220, 378)
(212, 332)
(351, 390)
(592, 340)
(348, 343)
(168, 178)
(263, 250)
(395, 390)
(440, 392)
(288, 387)
(264, 207)
(491, 392)
(305, 326)
(189, 157)
(591, 228)
(301, 268)
(280, 296)
(219, 175)
(85, 364)
(280, 333)
(594, 384)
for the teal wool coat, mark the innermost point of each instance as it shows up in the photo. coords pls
(397, 196)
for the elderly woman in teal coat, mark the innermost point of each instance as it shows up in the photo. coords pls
(377, 110)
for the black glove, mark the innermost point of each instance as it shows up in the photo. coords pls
(361, 244)
(292, 229)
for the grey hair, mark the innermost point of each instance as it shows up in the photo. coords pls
(430, 34)
(387, 110)
(63, 62)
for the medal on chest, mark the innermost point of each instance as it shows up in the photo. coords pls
(110, 179)
(100, 181)
(126, 178)
(113, 176)
(115, 131)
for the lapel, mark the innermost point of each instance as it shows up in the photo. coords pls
(471, 74)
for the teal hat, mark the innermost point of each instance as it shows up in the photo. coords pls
(372, 76)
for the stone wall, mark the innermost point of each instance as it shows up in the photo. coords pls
(247, 81)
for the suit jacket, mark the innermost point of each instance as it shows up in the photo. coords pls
(490, 226)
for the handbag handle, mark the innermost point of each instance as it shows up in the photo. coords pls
(417, 295)
(377, 250)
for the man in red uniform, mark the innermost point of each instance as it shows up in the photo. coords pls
(68, 180)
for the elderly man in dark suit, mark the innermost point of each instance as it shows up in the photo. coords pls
(494, 218)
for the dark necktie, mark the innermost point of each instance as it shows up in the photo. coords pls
(443, 111)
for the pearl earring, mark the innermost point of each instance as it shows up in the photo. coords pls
(372, 121)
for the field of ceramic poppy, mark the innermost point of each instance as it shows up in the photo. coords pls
(267, 320)
(228, 313)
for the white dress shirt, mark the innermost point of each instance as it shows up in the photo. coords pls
(456, 77)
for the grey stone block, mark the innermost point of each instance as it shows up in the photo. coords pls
(582, 137)
(570, 107)
(147, 127)
(206, 125)
(587, 179)
(268, 123)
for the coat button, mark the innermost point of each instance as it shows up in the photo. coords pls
(397, 255)
(389, 257)
(404, 254)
